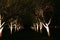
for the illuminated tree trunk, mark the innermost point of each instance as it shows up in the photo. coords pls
(1, 28)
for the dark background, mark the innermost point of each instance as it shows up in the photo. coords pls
(24, 9)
